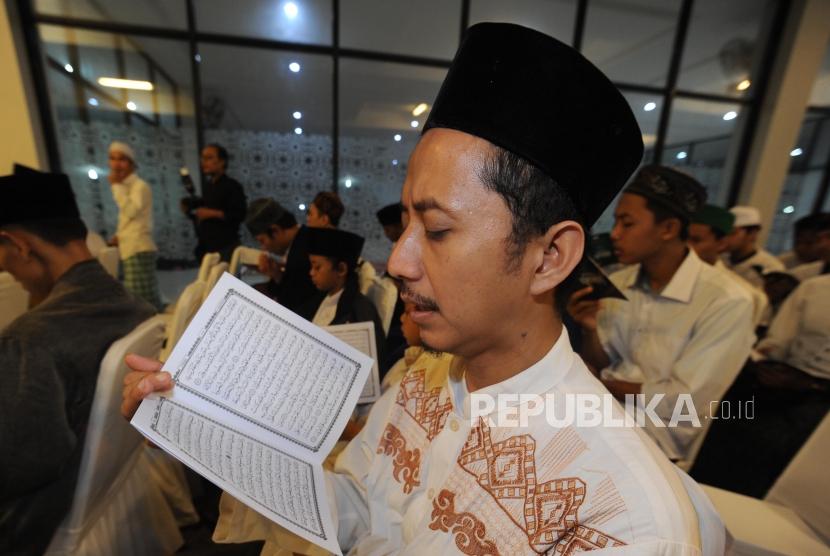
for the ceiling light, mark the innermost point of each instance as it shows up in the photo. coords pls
(93, 101)
(68, 68)
(744, 85)
(731, 115)
(290, 9)
(302, 206)
(789, 209)
(298, 130)
(420, 109)
(93, 175)
(348, 182)
(125, 83)
(650, 106)
(413, 123)
(294, 67)
(131, 106)
(681, 155)
(796, 152)
(397, 137)
(297, 115)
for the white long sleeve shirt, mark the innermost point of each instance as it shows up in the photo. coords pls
(800, 333)
(692, 338)
(421, 478)
(135, 216)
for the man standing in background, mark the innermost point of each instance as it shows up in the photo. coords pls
(221, 208)
(134, 236)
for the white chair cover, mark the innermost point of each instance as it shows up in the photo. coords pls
(213, 277)
(243, 256)
(383, 294)
(186, 307)
(109, 258)
(14, 300)
(208, 261)
(116, 508)
(761, 528)
(804, 486)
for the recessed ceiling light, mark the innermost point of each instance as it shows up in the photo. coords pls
(397, 137)
(93, 175)
(290, 10)
(93, 101)
(297, 115)
(743, 85)
(796, 152)
(68, 68)
(681, 155)
(650, 106)
(731, 115)
(116, 83)
(348, 182)
(298, 130)
(420, 109)
(131, 106)
(294, 67)
(302, 206)
(414, 123)
(788, 209)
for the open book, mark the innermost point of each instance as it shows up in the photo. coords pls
(261, 397)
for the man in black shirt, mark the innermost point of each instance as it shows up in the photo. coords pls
(221, 209)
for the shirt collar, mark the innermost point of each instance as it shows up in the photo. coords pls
(539, 378)
(682, 283)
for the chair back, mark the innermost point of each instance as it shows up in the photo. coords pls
(112, 446)
(208, 261)
(243, 256)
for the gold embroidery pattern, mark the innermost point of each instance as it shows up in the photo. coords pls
(406, 464)
(470, 533)
(425, 407)
(507, 471)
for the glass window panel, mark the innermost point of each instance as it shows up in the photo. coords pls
(157, 13)
(428, 28)
(302, 21)
(699, 129)
(376, 105)
(249, 109)
(552, 17)
(796, 200)
(647, 120)
(88, 117)
(820, 95)
(725, 45)
(631, 40)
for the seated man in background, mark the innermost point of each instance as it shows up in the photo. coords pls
(820, 229)
(804, 243)
(50, 356)
(707, 236)
(683, 329)
(285, 261)
(745, 257)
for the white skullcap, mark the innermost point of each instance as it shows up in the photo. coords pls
(746, 216)
(123, 148)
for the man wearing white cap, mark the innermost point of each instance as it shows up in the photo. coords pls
(745, 258)
(134, 236)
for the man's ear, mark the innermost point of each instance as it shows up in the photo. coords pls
(18, 242)
(562, 248)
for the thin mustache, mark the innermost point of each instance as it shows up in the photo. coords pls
(411, 297)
